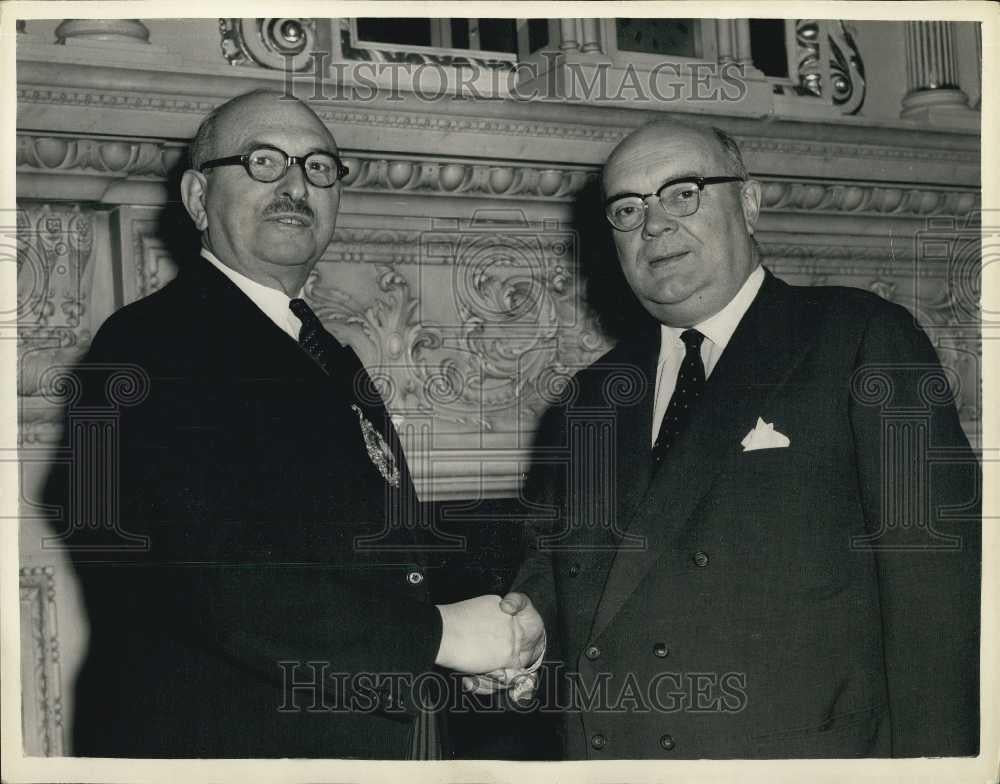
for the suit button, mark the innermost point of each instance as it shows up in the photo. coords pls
(414, 578)
(700, 558)
(667, 743)
(592, 652)
(660, 650)
(574, 570)
(598, 741)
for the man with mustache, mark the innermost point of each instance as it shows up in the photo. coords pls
(767, 528)
(281, 605)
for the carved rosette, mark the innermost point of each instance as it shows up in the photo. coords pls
(277, 43)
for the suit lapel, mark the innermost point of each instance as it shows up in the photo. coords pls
(633, 426)
(254, 342)
(765, 348)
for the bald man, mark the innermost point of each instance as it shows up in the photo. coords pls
(279, 606)
(766, 534)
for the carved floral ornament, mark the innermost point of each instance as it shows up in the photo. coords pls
(514, 305)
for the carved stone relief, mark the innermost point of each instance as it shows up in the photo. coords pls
(41, 697)
(461, 325)
(55, 245)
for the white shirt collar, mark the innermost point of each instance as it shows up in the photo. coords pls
(272, 302)
(720, 328)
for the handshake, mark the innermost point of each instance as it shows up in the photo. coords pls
(498, 643)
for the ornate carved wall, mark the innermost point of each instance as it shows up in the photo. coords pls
(458, 269)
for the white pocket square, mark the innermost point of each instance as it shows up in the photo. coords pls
(764, 436)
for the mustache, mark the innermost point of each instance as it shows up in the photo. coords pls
(287, 206)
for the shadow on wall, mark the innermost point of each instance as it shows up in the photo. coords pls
(182, 239)
(605, 290)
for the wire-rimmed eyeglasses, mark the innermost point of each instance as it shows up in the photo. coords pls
(269, 164)
(679, 198)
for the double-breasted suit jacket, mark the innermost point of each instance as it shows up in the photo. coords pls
(815, 600)
(256, 622)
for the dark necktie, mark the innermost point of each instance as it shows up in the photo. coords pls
(690, 383)
(313, 337)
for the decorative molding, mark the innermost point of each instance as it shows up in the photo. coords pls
(117, 157)
(441, 123)
(863, 198)
(41, 690)
(798, 147)
(98, 99)
(463, 177)
(366, 245)
(818, 254)
(129, 31)
(443, 176)
(444, 121)
(403, 246)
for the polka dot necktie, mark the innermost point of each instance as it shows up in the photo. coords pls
(690, 384)
(313, 336)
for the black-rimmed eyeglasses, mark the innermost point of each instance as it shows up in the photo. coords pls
(679, 198)
(269, 164)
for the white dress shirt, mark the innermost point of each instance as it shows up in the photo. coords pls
(273, 302)
(717, 329)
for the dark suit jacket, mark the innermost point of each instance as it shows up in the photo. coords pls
(245, 466)
(819, 600)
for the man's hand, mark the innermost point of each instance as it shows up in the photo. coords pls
(531, 649)
(477, 636)
(486, 634)
(531, 627)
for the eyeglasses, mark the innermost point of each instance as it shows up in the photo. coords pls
(269, 164)
(679, 198)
